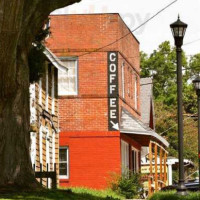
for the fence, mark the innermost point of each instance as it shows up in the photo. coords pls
(47, 174)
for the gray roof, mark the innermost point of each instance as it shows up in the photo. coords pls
(130, 125)
(55, 60)
(146, 96)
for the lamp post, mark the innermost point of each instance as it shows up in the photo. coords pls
(196, 83)
(178, 31)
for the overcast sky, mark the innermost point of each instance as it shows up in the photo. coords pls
(135, 12)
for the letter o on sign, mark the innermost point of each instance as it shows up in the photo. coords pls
(113, 68)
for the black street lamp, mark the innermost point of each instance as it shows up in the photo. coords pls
(178, 31)
(196, 83)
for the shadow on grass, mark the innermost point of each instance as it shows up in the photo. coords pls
(171, 195)
(53, 194)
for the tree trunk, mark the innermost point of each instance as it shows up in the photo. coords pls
(20, 21)
(15, 164)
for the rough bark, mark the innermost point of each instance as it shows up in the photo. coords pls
(20, 21)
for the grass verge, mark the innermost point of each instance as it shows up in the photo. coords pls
(63, 194)
(171, 195)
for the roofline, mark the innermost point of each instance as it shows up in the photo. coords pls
(86, 14)
(147, 133)
(54, 60)
(102, 14)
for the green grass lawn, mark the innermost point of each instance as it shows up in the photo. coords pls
(62, 194)
(171, 195)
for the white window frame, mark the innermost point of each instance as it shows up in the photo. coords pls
(136, 92)
(67, 161)
(47, 149)
(47, 88)
(124, 157)
(123, 82)
(53, 90)
(33, 147)
(33, 117)
(136, 156)
(40, 91)
(48, 155)
(53, 148)
(41, 144)
(63, 59)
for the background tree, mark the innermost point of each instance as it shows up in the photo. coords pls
(161, 66)
(20, 22)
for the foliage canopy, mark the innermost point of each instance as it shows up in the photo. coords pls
(161, 66)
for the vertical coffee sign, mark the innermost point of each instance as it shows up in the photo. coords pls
(113, 104)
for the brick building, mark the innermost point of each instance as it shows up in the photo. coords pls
(99, 98)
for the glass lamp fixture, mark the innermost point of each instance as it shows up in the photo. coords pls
(196, 83)
(178, 30)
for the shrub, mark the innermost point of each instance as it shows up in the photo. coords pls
(128, 185)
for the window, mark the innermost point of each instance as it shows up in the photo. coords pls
(123, 83)
(64, 162)
(124, 156)
(135, 92)
(33, 147)
(53, 90)
(135, 160)
(47, 88)
(40, 91)
(67, 81)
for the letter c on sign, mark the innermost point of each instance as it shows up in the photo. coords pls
(113, 57)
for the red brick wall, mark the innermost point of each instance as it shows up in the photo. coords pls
(87, 110)
(83, 114)
(92, 157)
(83, 32)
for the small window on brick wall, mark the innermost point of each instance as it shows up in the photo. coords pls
(64, 162)
(123, 82)
(136, 92)
(68, 81)
(135, 160)
(124, 157)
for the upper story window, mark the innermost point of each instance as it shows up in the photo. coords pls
(123, 82)
(40, 91)
(47, 88)
(136, 92)
(68, 81)
(53, 89)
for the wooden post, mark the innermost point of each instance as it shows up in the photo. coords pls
(156, 167)
(165, 166)
(40, 171)
(54, 180)
(161, 177)
(47, 178)
(150, 168)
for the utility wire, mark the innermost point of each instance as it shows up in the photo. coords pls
(189, 117)
(191, 42)
(145, 22)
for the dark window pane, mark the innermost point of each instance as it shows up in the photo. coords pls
(133, 160)
(63, 169)
(63, 155)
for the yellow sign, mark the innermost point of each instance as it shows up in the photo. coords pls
(146, 169)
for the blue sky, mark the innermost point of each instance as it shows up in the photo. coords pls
(134, 12)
